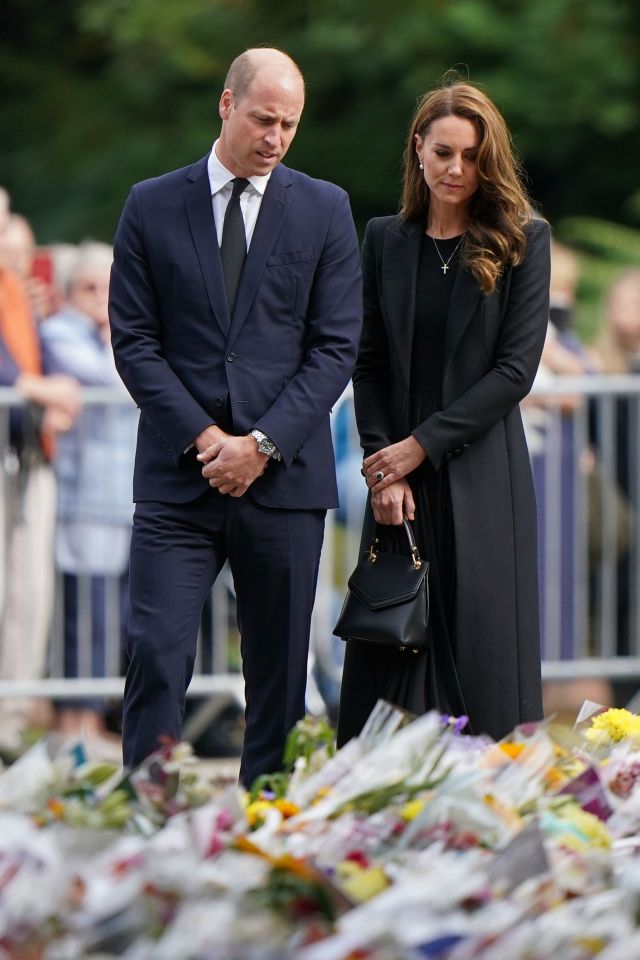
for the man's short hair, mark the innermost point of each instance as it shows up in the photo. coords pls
(244, 68)
(241, 73)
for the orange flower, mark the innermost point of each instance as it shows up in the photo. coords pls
(56, 808)
(554, 778)
(286, 807)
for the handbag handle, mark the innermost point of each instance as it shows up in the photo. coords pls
(413, 550)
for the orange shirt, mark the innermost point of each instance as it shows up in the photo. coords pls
(20, 336)
(17, 326)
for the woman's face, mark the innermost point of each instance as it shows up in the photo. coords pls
(623, 313)
(449, 153)
(90, 295)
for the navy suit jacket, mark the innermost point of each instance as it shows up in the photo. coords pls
(278, 364)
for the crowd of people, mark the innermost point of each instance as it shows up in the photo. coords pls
(235, 353)
(66, 477)
(585, 476)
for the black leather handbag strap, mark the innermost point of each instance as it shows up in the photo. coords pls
(411, 543)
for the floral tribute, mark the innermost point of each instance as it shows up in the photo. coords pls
(415, 840)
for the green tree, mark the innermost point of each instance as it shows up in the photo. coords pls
(100, 93)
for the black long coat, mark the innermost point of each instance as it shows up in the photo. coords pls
(492, 350)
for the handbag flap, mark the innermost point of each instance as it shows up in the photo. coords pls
(391, 580)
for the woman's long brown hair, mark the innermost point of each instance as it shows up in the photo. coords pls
(500, 207)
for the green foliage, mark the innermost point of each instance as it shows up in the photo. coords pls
(101, 93)
(616, 244)
(310, 737)
(295, 896)
(605, 250)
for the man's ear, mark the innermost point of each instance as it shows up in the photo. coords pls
(226, 102)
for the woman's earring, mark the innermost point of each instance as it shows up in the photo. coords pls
(421, 165)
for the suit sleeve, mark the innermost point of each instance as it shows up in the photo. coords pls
(333, 322)
(517, 356)
(134, 315)
(371, 379)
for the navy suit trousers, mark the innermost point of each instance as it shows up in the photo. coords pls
(177, 551)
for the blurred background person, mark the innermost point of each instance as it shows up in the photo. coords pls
(617, 346)
(616, 350)
(33, 267)
(562, 460)
(555, 457)
(27, 497)
(94, 468)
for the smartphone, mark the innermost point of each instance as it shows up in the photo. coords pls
(42, 266)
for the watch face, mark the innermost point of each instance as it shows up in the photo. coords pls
(266, 446)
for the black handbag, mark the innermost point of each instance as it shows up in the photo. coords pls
(388, 597)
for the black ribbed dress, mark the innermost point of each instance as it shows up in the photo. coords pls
(425, 681)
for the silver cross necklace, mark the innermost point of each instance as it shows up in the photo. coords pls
(445, 263)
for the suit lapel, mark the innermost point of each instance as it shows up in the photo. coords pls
(399, 281)
(273, 210)
(465, 296)
(197, 199)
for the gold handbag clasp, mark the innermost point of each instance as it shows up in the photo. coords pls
(415, 555)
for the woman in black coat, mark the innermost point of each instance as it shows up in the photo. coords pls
(456, 301)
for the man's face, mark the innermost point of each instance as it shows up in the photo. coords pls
(258, 129)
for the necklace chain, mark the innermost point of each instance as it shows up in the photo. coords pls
(445, 263)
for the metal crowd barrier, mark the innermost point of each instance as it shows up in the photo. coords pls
(217, 671)
(586, 462)
(587, 473)
(586, 465)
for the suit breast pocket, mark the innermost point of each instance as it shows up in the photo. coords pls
(285, 279)
(304, 255)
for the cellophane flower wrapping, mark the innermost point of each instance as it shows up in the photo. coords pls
(415, 840)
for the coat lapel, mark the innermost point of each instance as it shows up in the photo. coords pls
(399, 281)
(273, 210)
(465, 296)
(197, 199)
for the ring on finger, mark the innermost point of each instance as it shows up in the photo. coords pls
(378, 475)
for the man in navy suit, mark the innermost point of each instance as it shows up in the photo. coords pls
(235, 359)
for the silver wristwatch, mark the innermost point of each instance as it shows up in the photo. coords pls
(265, 445)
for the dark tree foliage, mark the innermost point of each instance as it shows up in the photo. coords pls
(97, 94)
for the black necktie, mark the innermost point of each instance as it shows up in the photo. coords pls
(233, 249)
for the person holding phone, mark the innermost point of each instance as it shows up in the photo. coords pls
(33, 265)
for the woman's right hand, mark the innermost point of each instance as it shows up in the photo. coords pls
(392, 503)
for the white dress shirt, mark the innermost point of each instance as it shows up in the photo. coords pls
(250, 199)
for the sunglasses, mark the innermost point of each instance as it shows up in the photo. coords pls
(92, 287)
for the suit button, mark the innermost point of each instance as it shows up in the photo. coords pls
(219, 401)
(231, 357)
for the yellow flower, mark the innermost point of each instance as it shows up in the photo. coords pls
(614, 725)
(257, 811)
(361, 883)
(411, 809)
(585, 827)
